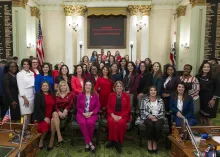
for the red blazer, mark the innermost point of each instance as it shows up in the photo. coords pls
(76, 85)
(125, 105)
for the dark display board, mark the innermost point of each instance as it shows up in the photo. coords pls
(6, 42)
(212, 29)
(107, 32)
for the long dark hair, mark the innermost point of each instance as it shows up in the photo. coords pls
(50, 70)
(139, 68)
(50, 89)
(134, 71)
(209, 75)
(125, 63)
(28, 61)
(185, 94)
(7, 66)
(93, 53)
(165, 70)
(109, 72)
(75, 68)
(117, 71)
(60, 72)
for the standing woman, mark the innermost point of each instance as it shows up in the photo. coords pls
(152, 114)
(87, 107)
(93, 74)
(108, 56)
(99, 59)
(77, 80)
(11, 90)
(127, 58)
(137, 63)
(149, 64)
(145, 80)
(181, 104)
(169, 85)
(117, 56)
(85, 60)
(208, 94)
(111, 60)
(114, 73)
(45, 75)
(101, 65)
(64, 102)
(118, 110)
(157, 76)
(35, 66)
(104, 84)
(85, 71)
(25, 81)
(122, 67)
(57, 67)
(63, 75)
(44, 105)
(94, 56)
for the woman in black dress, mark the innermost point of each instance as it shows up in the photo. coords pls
(11, 90)
(209, 92)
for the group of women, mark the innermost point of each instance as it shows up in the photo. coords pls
(105, 83)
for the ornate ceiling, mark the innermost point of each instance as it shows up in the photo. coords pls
(57, 2)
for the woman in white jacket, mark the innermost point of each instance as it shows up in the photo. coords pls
(25, 81)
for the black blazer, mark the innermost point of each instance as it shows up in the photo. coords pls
(145, 82)
(39, 107)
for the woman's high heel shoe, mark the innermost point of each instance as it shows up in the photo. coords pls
(59, 143)
(49, 148)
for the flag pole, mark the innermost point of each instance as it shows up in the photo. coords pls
(22, 135)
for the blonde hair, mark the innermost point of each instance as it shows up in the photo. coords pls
(118, 82)
(58, 93)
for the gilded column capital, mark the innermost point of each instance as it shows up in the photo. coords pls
(181, 11)
(68, 10)
(145, 9)
(19, 3)
(133, 9)
(35, 12)
(197, 2)
(80, 10)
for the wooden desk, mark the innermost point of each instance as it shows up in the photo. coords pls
(29, 149)
(177, 150)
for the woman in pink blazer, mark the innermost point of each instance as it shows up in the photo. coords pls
(87, 113)
(77, 80)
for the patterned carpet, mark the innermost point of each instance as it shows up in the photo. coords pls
(130, 148)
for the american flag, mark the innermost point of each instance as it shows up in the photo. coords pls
(40, 49)
(173, 56)
(6, 117)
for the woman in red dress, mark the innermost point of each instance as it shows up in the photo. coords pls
(118, 110)
(44, 105)
(104, 85)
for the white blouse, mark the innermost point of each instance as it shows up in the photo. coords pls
(154, 108)
(180, 105)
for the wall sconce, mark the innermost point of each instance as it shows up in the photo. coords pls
(131, 45)
(74, 26)
(30, 46)
(186, 46)
(141, 25)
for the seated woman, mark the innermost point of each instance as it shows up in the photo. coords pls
(118, 110)
(44, 105)
(87, 113)
(152, 114)
(77, 79)
(182, 106)
(64, 102)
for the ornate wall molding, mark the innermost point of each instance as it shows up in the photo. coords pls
(19, 3)
(80, 9)
(68, 10)
(197, 2)
(181, 11)
(133, 9)
(35, 12)
(107, 11)
(145, 9)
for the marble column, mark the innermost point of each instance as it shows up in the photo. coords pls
(19, 28)
(68, 11)
(35, 14)
(180, 40)
(80, 10)
(145, 10)
(197, 33)
(133, 11)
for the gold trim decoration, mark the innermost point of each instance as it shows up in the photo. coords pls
(19, 3)
(133, 9)
(197, 2)
(181, 11)
(68, 10)
(145, 9)
(35, 12)
(80, 9)
(107, 11)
